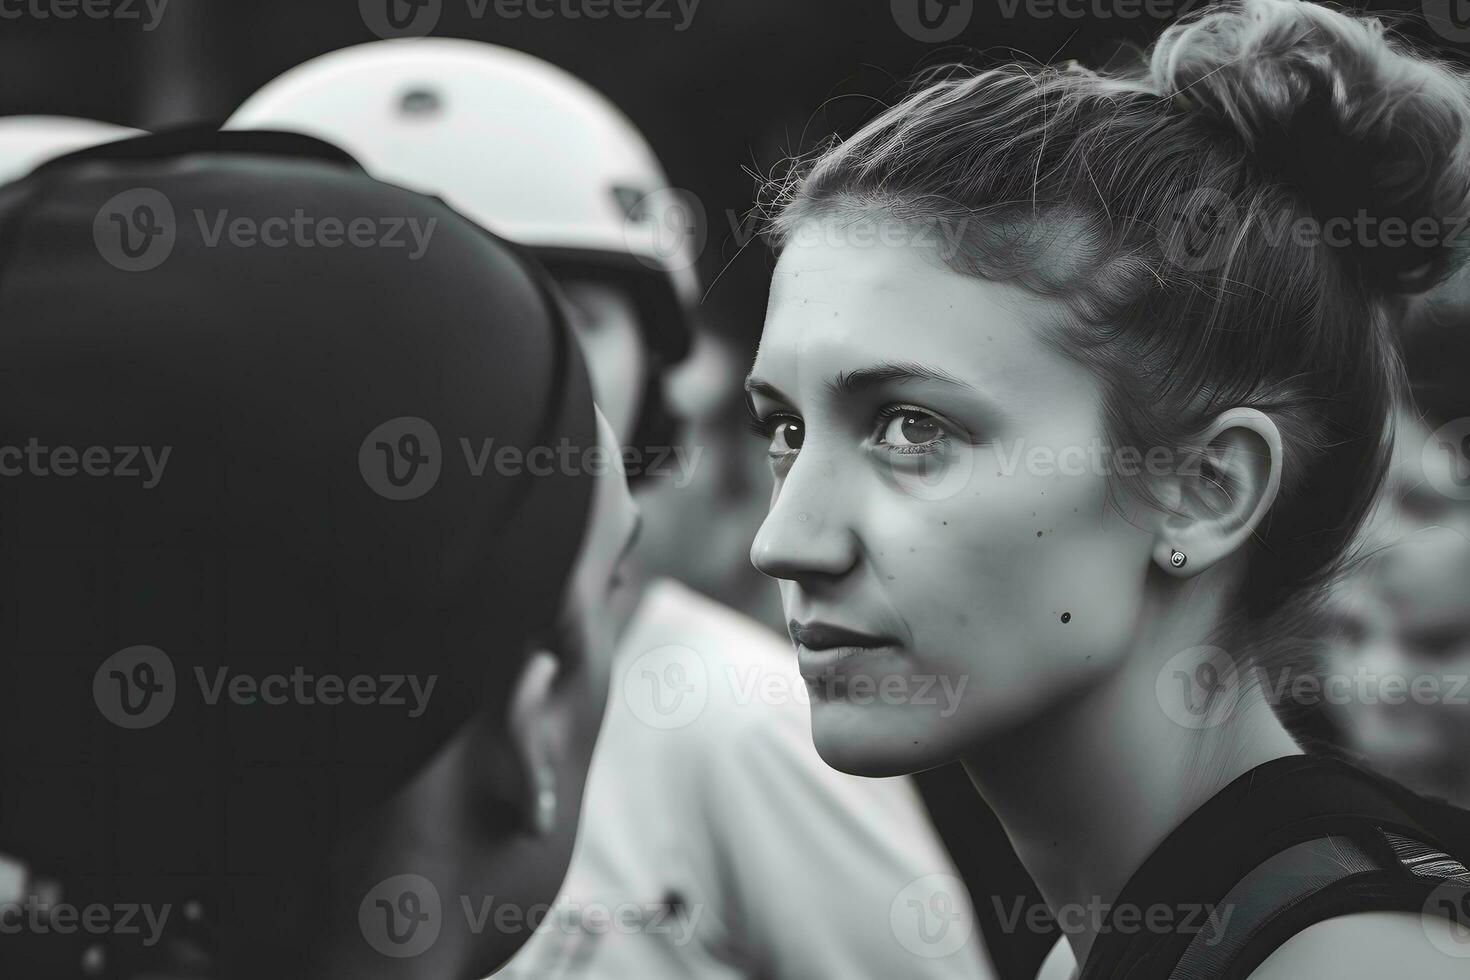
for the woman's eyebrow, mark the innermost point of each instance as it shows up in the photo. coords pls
(860, 379)
(755, 386)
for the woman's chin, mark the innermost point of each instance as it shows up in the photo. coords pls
(862, 742)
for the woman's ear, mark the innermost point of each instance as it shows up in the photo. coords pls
(537, 729)
(1222, 494)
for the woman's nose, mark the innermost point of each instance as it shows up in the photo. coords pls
(806, 535)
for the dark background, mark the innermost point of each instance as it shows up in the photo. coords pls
(747, 82)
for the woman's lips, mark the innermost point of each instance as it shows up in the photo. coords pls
(819, 664)
(821, 648)
(825, 636)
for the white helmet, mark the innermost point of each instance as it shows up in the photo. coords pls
(26, 142)
(520, 146)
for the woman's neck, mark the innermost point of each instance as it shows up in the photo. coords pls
(1088, 791)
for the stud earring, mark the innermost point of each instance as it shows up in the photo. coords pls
(1177, 558)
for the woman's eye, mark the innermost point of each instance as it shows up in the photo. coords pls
(911, 430)
(786, 436)
(785, 433)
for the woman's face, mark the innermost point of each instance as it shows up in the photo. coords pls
(940, 519)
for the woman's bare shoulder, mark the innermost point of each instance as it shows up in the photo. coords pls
(1373, 945)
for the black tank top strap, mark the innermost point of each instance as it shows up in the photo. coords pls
(1289, 844)
(1320, 879)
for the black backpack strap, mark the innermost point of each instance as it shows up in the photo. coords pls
(1389, 869)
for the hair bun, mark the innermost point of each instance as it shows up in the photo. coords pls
(1356, 122)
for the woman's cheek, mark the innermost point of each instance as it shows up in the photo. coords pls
(1020, 585)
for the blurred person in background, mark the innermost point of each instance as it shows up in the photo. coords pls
(717, 843)
(1403, 618)
(725, 499)
(288, 698)
(28, 141)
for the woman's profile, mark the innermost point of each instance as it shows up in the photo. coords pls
(1077, 386)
